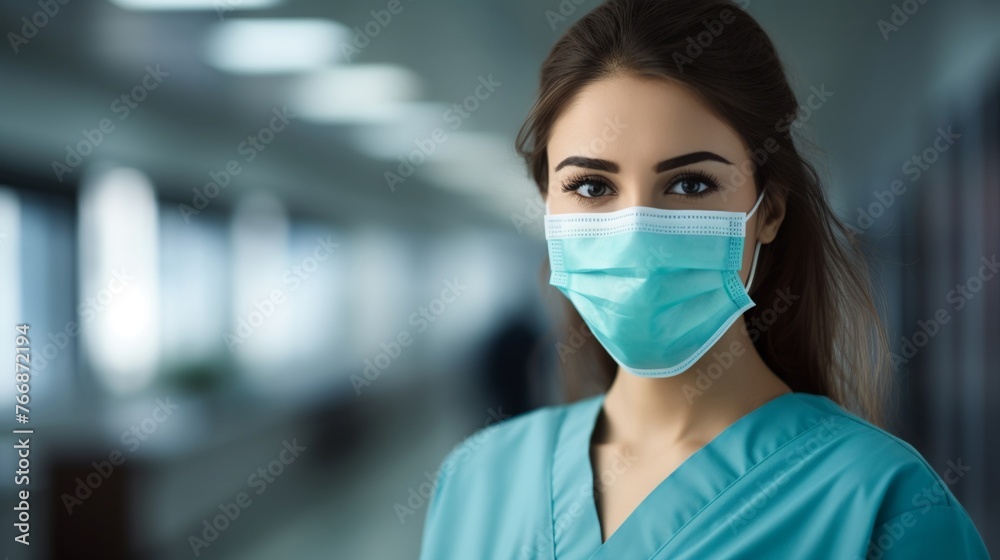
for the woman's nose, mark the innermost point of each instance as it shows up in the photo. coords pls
(636, 193)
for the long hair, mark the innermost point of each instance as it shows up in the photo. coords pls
(832, 341)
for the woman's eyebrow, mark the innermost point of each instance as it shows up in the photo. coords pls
(665, 165)
(589, 163)
(688, 159)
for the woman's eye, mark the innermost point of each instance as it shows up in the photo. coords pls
(689, 185)
(591, 190)
(692, 185)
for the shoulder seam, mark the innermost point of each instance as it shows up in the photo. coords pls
(736, 481)
(935, 477)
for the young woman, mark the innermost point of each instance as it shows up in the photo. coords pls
(705, 265)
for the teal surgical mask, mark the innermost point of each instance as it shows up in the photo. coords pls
(657, 288)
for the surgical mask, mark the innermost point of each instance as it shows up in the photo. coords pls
(657, 288)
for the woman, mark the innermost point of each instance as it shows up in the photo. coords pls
(750, 365)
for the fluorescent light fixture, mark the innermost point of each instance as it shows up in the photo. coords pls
(358, 94)
(194, 257)
(384, 276)
(221, 6)
(274, 45)
(10, 279)
(477, 146)
(119, 278)
(458, 162)
(261, 323)
(458, 166)
(393, 139)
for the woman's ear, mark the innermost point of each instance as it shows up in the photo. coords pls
(773, 215)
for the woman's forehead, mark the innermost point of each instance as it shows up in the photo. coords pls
(631, 117)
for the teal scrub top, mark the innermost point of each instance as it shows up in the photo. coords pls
(799, 477)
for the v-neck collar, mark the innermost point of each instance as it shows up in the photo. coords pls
(691, 486)
(574, 514)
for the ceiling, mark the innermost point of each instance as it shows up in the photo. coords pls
(65, 79)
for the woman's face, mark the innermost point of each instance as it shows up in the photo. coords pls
(631, 141)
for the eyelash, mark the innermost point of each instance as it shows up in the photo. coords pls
(573, 184)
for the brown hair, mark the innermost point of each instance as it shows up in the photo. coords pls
(831, 341)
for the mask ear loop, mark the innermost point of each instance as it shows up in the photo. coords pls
(756, 251)
(753, 267)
